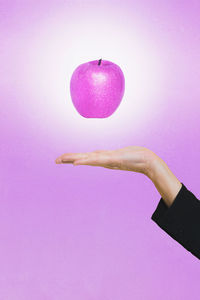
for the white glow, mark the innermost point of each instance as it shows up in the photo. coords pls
(57, 48)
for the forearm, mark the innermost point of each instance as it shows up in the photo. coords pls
(164, 180)
(178, 212)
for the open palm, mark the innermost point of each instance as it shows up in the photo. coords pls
(131, 158)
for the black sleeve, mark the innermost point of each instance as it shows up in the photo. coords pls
(181, 220)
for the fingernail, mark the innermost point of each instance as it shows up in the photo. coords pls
(58, 161)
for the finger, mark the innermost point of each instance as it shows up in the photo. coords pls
(70, 157)
(89, 162)
(96, 159)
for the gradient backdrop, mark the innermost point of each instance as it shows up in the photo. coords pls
(85, 233)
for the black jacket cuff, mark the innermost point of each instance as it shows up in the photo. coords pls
(181, 220)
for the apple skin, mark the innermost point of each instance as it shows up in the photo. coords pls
(97, 88)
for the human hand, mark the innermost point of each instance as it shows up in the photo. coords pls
(131, 158)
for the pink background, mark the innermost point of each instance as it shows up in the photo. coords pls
(86, 232)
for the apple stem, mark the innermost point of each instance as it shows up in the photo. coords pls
(99, 62)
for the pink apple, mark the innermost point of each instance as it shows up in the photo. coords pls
(97, 88)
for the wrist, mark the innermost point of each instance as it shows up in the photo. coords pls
(152, 162)
(164, 180)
